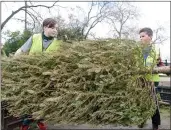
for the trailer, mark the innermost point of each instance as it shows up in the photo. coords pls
(164, 89)
(9, 122)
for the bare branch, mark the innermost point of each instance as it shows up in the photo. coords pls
(92, 26)
(90, 10)
(37, 14)
(90, 20)
(99, 17)
(114, 25)
(120, 14)
(33, 18)
(15, 12)
(21, 20)
(159, 37)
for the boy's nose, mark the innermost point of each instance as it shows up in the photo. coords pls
(141, 38)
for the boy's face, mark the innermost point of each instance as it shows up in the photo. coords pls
(145, 39)
(51, 32)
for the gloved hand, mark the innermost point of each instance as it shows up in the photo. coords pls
(41, 126)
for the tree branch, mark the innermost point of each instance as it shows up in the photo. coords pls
(92, 26)
(33, 18)
(37, 14)
(15, 12)
(114, 25)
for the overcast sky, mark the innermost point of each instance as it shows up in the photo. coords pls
(152, 15)
(157, 13)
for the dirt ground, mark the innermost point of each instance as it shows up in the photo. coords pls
(165, 123)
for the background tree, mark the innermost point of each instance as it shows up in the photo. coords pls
(159, 35)
(15, 40)
(120, 16)
(30, 11)
(96, 13)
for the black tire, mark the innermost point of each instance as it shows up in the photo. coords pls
(168, 74)
(141, 125)
(155, 127)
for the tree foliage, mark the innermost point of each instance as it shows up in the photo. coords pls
(15, 40)
(97, 82)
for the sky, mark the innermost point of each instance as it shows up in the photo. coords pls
(152, 15)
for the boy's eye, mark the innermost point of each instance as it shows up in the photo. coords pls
(54, 28)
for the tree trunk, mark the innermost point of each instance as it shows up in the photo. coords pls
(163, 69)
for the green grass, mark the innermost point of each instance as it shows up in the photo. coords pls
(165, 111)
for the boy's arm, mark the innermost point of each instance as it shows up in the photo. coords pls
(25, 48)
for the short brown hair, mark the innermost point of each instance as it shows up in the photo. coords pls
(148, 31)
(49, 22)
